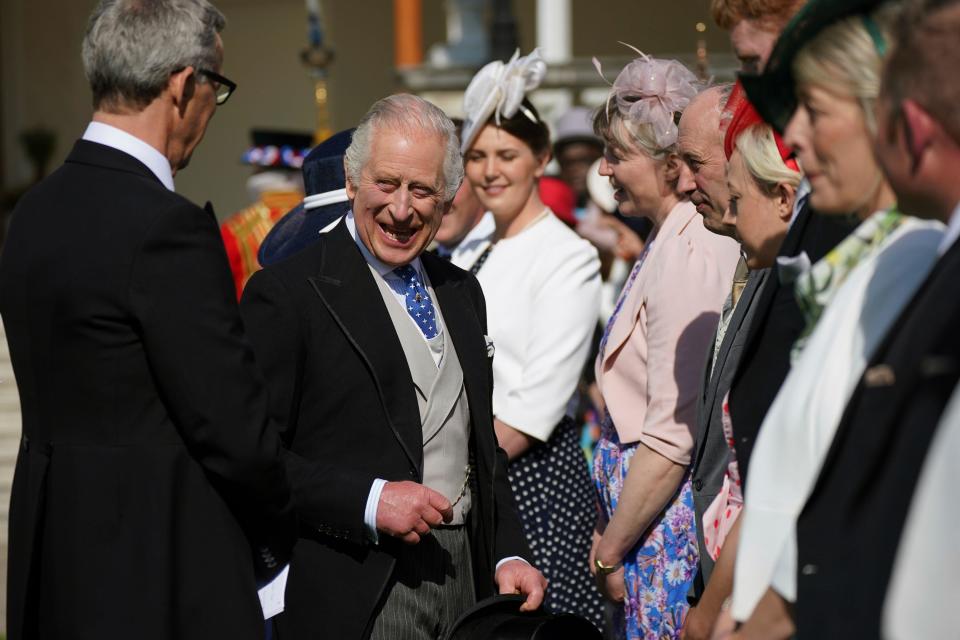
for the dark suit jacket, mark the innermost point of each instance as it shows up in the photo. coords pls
(777, 324)
(342, 391)
(146, 443)
(711, 455)
(850, 528)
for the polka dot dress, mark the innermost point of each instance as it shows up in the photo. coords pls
(554, 494)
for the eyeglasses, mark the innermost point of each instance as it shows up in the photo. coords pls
(223, 87)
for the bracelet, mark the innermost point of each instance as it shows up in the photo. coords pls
(603, 570)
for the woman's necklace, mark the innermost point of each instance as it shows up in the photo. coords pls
(482, 258)
(540, 216)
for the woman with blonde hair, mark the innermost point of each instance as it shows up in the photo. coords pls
(831, 58)
(651, 357)
(762, 178)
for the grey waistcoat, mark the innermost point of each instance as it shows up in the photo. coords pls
(442, 400)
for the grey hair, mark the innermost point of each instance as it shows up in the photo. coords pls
(723, 106)
(132, 46)
(409, 114)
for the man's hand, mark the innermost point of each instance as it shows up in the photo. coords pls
(408, 510)
(516, 576)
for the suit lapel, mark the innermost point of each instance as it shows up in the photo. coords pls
(910, 357)
(621, 330)
(736, 322)
(899, 371)
(347, 289)
(624, 325)
(444, 392)
(466, 332)
(712, 382)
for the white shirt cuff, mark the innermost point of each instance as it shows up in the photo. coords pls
(497, 568)
(272, 594)
(370, 511)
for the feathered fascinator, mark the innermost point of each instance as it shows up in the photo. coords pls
(498, 90)
(650, 91)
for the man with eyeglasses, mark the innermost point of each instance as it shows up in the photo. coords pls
(149, 497)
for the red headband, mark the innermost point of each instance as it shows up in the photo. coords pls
(745, 116)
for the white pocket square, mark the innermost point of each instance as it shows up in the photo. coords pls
(490, 348)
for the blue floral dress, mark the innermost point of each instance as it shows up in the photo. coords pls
(659, 570)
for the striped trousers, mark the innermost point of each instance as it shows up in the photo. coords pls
(432, 586)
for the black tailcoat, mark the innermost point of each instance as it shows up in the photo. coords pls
(850, 528)
(341, 388)
(147, 458)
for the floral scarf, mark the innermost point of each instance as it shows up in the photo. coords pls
(816, 287)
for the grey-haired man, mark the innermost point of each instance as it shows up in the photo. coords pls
(380, 377)
(149, 494)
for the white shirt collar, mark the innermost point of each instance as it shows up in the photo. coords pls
(131, 145)
(384, 270)
(953, 231)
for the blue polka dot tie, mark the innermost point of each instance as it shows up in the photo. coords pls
(419, 304)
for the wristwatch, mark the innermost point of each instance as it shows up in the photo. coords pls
(603, 570)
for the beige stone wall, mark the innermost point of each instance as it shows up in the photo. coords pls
(42, 79)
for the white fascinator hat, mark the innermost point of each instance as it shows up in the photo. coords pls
(498, 90)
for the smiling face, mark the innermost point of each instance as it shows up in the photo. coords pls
(829, 135)
(399, 203)
(503, 171)
(759, 217)
(638, 180)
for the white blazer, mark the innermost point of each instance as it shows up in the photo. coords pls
(800, 425)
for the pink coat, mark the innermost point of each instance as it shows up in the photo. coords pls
(652, 367)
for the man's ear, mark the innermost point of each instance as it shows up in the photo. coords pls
(349, 186)
(786, 195)
(672, 167)
(919, 130)
(182, 85)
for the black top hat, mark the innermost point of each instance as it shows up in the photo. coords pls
(500, 618)
(326, 200)
(773, 92)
